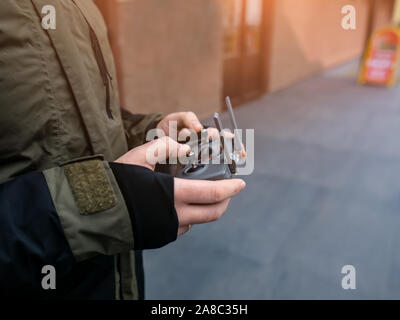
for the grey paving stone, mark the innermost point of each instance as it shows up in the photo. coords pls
(325, 193)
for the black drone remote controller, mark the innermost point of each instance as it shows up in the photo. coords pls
(221, 163)
(198, 169)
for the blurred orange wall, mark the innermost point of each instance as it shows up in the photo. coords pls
(307, 36)
(170, 58)
(169, 53)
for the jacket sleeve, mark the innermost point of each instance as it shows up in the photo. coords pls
(71, 213)
(137, 125)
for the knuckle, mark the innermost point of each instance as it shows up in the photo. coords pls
(216, 194)
(181, 115)
(191, 116)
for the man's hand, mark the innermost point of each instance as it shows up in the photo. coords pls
(199, 201)
(187, 122)
(195, 201)
(149, 154)
(184, 120)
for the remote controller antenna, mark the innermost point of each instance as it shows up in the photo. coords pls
(230, 109)
(238, 141)
(218, 125)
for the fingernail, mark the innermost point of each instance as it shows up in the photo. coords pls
(243, 184)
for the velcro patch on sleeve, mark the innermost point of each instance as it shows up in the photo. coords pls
(90, 186)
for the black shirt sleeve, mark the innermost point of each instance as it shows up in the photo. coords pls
(31, 235)
(149, 197)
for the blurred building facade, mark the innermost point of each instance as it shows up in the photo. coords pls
(175, 55)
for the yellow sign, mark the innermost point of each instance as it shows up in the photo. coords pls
(381, 59)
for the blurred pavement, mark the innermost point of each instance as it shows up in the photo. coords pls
(325, 193)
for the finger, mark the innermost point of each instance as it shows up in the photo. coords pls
(161, 149)
(213, 133)
(185, 134)
(206, 192)
(190, 121)
(243, 152)
(182, 230)
(202, 213)
(230, 135)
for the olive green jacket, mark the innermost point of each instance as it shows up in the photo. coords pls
(58, 103)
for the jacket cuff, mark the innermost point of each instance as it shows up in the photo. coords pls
(149, 197)
(91, 208)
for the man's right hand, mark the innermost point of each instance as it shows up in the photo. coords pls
(201, 201)
(196, 201)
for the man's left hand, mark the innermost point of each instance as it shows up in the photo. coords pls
(187, 122)
(184, 120)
